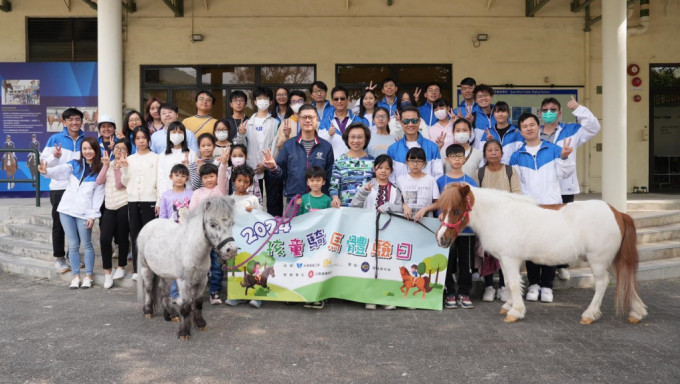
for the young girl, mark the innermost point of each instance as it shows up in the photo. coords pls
(80, 205)
(442, 132)
(176, 152)
(114, 220)
(206, 147)
(242, 177)
(419, 189)
(139, 173)
(223, 140)
(152, 115)
(367, 104)
(238, 157)
(462, 133)
(381, 139)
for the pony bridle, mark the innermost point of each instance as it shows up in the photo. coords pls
(221, 243)
(466, 214)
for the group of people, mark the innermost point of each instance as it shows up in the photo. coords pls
(386, 154)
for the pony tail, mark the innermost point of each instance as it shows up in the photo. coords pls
(626, 268)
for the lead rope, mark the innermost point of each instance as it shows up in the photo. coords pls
(291, 211)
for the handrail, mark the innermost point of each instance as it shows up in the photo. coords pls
(36, 180)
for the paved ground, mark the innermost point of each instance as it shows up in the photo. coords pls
(49, 334)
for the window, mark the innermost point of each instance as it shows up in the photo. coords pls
(355, 77)
(664, 143)
(178, 84)
(62, 39)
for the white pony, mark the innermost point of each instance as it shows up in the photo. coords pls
(169, 251)
(514, 229)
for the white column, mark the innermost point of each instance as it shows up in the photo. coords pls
(614, 99)
(110, 59)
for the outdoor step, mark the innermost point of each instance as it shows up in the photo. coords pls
(646, 219)
(26, 248)
(41, 220)
(647, 270)
(661, 233)
(29, 232)
(653, 205)
(660, 250)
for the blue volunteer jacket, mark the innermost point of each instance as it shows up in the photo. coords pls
(540, 176)
(293, 162)
(390, 107)
(512, 141)
(399, 149)
(70, 150)
(336, 141)
(427, 114)
(83, 198)
(328, 109)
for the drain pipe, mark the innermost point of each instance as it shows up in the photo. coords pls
(644, 20)
(586, 103)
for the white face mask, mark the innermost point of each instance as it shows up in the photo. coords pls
(440, 114)
(262, 105)
(176, 138)
(461, 137)
(222, 135)
(238, 161)
(295, 107)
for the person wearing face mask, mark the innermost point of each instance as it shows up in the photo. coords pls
(222, 139)
(201, 122)
(258, 133)
(462, 133)
(176, 152)
(442, 132)
(289, 127)
(554, 131)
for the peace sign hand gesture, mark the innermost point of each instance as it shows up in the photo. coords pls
(286, 128)
(242, 127)
(106, 159)
(368, 186)
(122, 163)
(566, 149)
(371, 86)
(416, 94)
(449, 111)
(57, 151)
(440, 140)
(268, 159)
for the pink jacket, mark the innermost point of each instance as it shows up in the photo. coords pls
(203, 193)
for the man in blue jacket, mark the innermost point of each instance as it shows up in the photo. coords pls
(301, 153)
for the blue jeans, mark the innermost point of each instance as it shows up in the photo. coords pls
(174, 291)
(75, 233)
(216, 273)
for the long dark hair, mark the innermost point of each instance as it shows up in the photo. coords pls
(410, 96)
(382, 109)
(362, 109)
(274, 108)
(96, 165)
(168, 144)
(147, 109)
(126, 122)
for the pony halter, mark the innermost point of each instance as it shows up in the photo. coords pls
(466, 214)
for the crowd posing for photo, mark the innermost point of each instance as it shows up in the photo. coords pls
(387, 154)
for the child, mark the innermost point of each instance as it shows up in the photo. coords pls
(176, 152)
(462, 132)
(441, 133)
(206, 147)
(243, 177)
(175, 204)
(462, 249)
(419, 189)
(238, 157)
(541, 166)
(215, 182)
(315, 200)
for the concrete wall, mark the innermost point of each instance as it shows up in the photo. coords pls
(520, 50)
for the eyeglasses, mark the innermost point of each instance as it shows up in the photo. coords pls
(297, 102)
(433, 91)
(416, 161)
(412, 121)
(120, 150)
(483, 96)
(205, 100)
(135, 119)
(379, 117)
(307, 117)
(549, 109)
(281, 95)
(456, 157)
(318, 91)
(339, 98)
(362, 137)
(238, 101)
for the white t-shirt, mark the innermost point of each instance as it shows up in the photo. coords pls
(241, 202)
(533, 150)
(259, 130)
(418, 193)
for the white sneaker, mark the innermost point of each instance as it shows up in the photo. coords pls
(87, 283)
(546, 295)
(75, 283)
(563, 273)
(371, 306)
(61, 265)
(502, 294)
(255, 303)
(532, 294)
(233, 302)
(119, 274)
(134, 276)
(389, 307)
(489, 294)
(476, 276)
(108, 281)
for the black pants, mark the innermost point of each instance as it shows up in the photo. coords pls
(542, 275)
(114, 223)
(566, 199)
(274, 192)
(139, 213)
(460, 255)
(57, 230)
(488, 279)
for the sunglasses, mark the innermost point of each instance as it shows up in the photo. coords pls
(412, 121)
(339, 98)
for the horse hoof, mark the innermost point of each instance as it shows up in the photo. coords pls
(203, 329)
(175, 319)
(503, 311)
(586, 320)
(184, 338)
(511, 319)
(632, 320)
(148, 316)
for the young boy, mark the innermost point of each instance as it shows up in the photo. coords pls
(541, 165)
(314, 200)
(242, 178)
(237, 101)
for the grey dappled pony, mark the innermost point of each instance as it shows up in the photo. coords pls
(169, 251)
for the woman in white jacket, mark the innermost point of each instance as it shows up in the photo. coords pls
(80, 206)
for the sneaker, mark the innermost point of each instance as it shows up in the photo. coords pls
(502, 294)
(450, 302)
(87, 283)
(464, 302)
(119, 274)
(108, 281)
(371, 306)
(476, 276)
(233, 302)
(61, 265)
(75, 283)
(389, 307)
(134, 276)
(489, 294)
(215, 298)
(255, 303)
(563, 273)
(316, 304)
(532, 293)
(546, 295)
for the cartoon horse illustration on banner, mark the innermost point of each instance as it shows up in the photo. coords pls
(422, 283)
(250, 281)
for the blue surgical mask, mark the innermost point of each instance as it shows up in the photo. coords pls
(405, 104)
(549, 117)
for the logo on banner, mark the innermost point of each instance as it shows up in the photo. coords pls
(299, 265)
(310, 274)
(365, 267)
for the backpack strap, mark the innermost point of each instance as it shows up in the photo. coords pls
(508, 171)
(480, 175)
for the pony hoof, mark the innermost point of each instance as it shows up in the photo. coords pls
(632, 320)
(511, 319)
(586, 321)
(175, 319)
(503, 311)
(203, 329)
(148, 316)
(184, 338)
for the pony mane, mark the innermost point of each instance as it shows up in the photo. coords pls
(451, 196)
(513, 197)
(214, 206)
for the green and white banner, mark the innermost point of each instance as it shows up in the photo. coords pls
(331, 254)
